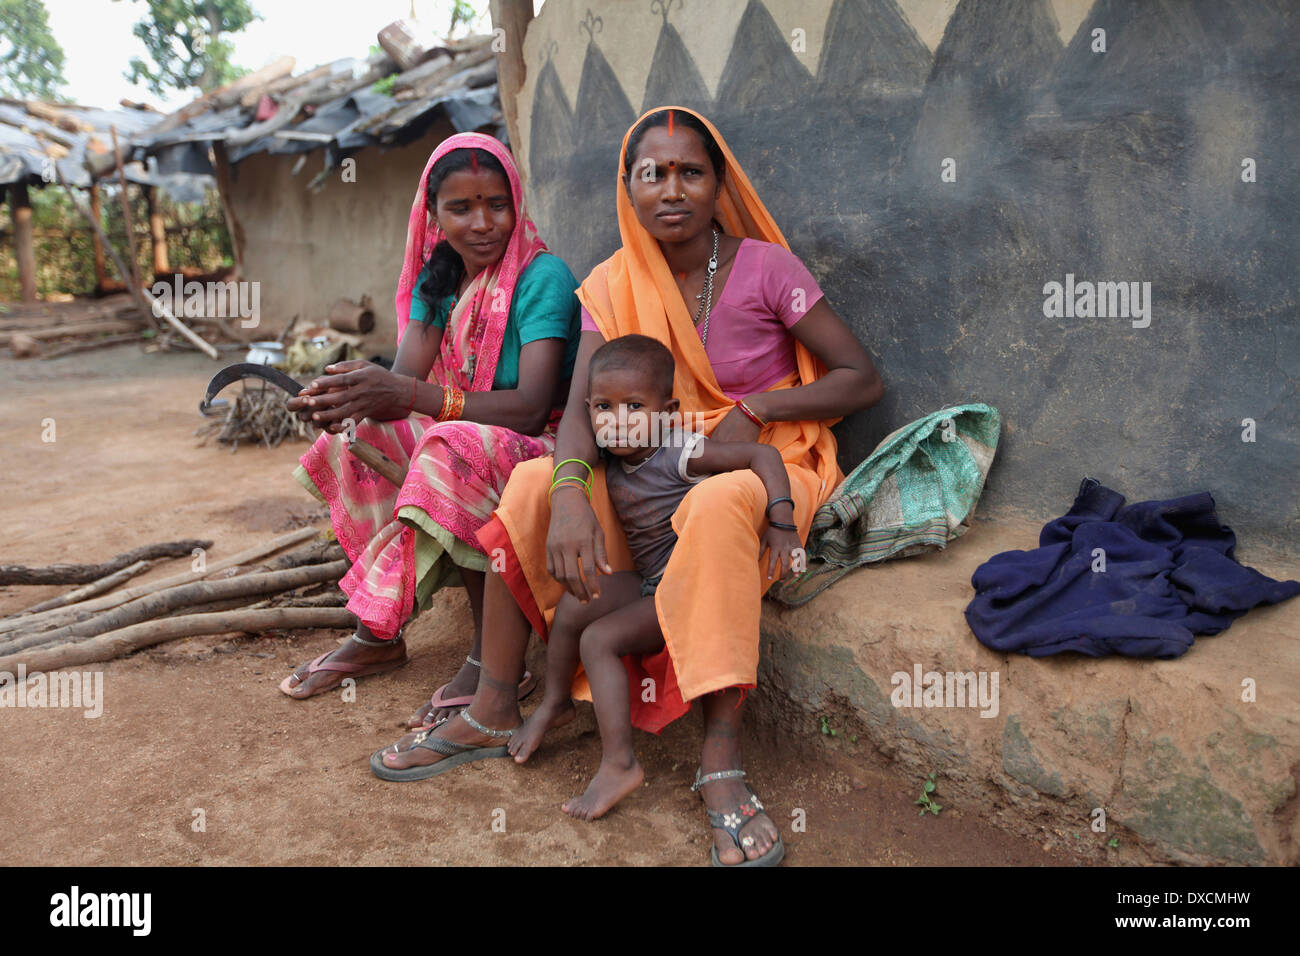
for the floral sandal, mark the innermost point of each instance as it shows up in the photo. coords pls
(732, 821)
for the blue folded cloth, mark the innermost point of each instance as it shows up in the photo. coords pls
(1140, 580)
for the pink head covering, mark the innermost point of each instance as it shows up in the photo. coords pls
(471, 344)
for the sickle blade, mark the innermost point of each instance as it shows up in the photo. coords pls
(242, 370)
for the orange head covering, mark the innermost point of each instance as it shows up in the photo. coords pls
(634, 291)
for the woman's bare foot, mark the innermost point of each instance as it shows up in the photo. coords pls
(362, 659)
(462, 685)
(610, 785)
(528, 738)
(724, 796)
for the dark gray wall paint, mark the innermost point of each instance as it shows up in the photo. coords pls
(1115, 166)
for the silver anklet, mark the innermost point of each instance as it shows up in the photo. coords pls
(488, 731)
(471, 660)
(361, 640)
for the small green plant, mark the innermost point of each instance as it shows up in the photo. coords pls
(924, 800)
(828, 729)
(1113, 843)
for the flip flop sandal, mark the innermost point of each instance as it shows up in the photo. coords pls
(454, 754)
(731, 821)
(341, 667)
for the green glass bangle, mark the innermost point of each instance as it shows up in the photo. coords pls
(555, 484)
(590, 471)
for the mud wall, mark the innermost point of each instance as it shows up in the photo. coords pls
(937, 163)
(308, 248)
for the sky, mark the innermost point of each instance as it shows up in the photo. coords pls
(98, 44)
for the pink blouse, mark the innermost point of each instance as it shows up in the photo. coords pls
(750, 346)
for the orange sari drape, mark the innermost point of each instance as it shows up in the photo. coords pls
(709, 599)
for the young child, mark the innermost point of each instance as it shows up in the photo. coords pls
(652, 462)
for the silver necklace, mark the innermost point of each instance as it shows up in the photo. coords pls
(707, 295)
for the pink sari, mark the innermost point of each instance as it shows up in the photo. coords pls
(406, 543)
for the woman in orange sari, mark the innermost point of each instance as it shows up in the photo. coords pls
(778, 366)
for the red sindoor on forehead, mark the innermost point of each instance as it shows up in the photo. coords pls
(671, 115)
(473, 161)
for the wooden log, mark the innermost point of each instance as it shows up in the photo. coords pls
(96, 242)
(117, 643)
(60, 118)
(80, 328)
(197, 592)
(234, 92)
(314, 94)
(157, 233)
(227, 95)
(79, 612)
(349, 316)
(106, 583)
(251, 97)
(126, 212)
(225, 184)
(91, 573)
(90, 345)
(23, 346)
(20, 210)
(318, 552)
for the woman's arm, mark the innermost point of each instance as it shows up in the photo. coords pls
(851, 382)
(360, 390)
(385, 395)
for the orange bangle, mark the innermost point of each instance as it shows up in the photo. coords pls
(453, 403)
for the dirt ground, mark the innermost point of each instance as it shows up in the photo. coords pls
(198, 724)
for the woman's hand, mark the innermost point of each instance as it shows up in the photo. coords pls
(780, 546)
(735, 426)
(352, 390)
(575, 543)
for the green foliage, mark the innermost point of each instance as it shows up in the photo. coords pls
(925, 801)
(31, 60)
(65, 259)
(384, 86)
(461, 12)
(183, 38)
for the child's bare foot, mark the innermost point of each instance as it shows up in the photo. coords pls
(610, 785)
(528, 738)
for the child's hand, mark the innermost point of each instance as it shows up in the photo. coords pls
(780, 546)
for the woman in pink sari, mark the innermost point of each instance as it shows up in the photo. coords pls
(496, 322)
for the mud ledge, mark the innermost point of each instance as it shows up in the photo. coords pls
(1185, 770)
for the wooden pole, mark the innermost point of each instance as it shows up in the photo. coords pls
(126, 212)
(224, 183)
(157, 233)
(513, 16)
(20, 208)
(98, 246)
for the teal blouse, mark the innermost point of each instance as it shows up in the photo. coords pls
(543, 307)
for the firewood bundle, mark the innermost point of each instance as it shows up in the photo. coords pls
(242, 593)
(256, 415)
